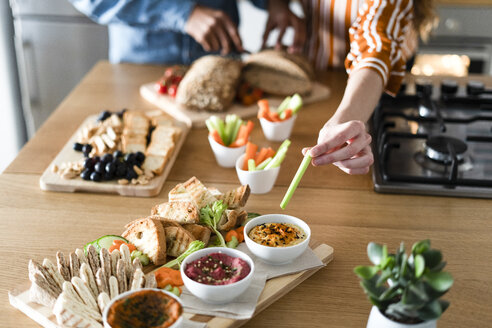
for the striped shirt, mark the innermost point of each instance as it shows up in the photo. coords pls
(373, 34)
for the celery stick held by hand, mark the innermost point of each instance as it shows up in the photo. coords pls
(295, 182)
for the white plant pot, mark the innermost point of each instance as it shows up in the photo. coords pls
(225, 156)
(260, 182)
(378, 320)
(277, 131)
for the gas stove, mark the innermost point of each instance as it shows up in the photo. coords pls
(436, 141)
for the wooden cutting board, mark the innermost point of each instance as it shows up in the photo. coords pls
(274, 289)
(197, 119)
(51, 181)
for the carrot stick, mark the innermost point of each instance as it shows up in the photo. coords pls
(238, 143)
(243, 130)
(251, 149)
(271, 153)
(240, 232)
(274, 117)
(216, 136)
(229, 234)
(261, 156)
(249, 127)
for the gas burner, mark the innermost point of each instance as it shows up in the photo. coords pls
(444, 149)
(441, 167)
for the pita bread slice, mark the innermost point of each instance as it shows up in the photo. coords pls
(148, 236)
(178, 193)
(237, 198)
(70, 313)
(177, 238)
(199, 232)
(181, 212)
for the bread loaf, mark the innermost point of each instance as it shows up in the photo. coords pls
(210, 84)
(279, 73)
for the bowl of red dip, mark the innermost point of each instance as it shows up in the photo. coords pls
(144, 308)
(217, 275)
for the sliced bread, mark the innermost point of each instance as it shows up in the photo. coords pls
(147, 234)
(181, 212)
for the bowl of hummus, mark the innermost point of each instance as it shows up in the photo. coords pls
(217, 275)
(277, 238)
(144, 308)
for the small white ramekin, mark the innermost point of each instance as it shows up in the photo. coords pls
(277, 131)
(277, 255)
(261, 181)
(176, 324)
(225, 156)
(219, 294)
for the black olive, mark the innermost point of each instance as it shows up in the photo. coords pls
(117, 154)
(99, 167)
(86, 174)
(130, 159)
(120, 170)
(96, 177)
(107, 158)
(89, 163)
(131, 174)
(140, 157)
(96, 159)
(86, 149)
(78, 146)
(104, 115)
(108, 176)
(110, 168)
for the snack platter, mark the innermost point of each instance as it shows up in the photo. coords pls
(52, 181)
(274, 289)
(197, 118)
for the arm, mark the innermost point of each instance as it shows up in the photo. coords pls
(151, 14)
(343, 141)
(374, 63)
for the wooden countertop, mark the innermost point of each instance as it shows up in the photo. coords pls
(343, 211)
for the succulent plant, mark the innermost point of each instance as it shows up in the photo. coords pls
(406, 288)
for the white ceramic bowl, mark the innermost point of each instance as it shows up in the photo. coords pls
(277, 255)
(177, 324)
(277, 131)
(260, 182)
(220, 294)
(225, 156)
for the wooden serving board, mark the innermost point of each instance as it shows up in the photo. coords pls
(197, 119)
(54, 182)
(274, 289)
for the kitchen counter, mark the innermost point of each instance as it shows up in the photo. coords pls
(343, 211)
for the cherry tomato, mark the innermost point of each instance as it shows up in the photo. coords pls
(161, 88)
(176, 79)
(169, 72)
(173, 88)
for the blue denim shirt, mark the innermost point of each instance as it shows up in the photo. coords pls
(152, 31)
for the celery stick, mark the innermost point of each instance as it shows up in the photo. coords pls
(229, 127)
(283, 105)
(251, 165)
(295, 103)
(295, 182)
(263, 164)
(279, 156)
(209, 126)
(236, 129)
(220, 126)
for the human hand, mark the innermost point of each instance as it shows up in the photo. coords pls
(345, 145)
(214, 30)
(280, 16)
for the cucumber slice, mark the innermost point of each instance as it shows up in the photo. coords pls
(107, 241)
(93, 243)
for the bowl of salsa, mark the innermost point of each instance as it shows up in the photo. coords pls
(148, 307)
(277, 238)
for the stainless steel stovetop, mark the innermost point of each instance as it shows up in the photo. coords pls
(434, 145)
